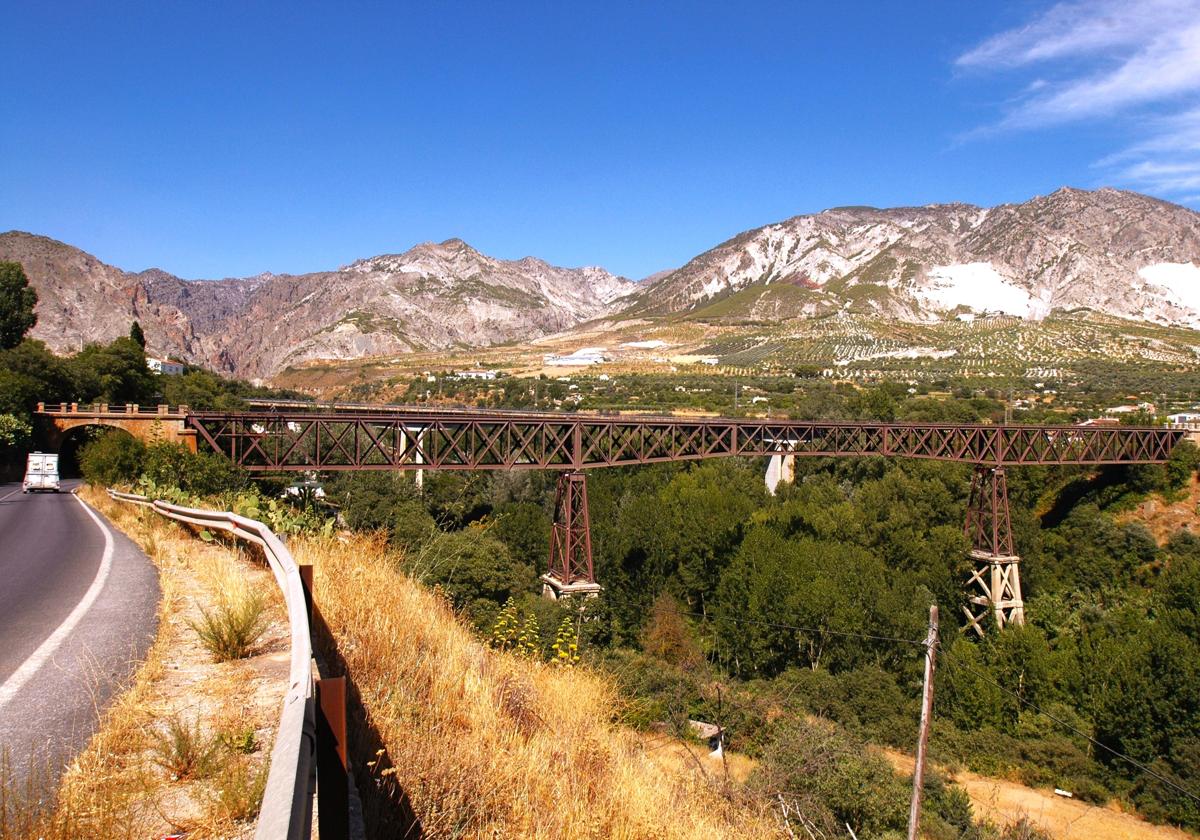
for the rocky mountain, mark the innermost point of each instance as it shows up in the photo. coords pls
(1114, 252)
(1107, 251)
(434, 296)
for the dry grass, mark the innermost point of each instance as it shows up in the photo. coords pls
(1018, 808)
(118, 787)
(482, 744)
(486, 744)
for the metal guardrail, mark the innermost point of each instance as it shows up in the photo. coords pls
(287, 800)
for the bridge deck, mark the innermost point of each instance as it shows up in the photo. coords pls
(411, 438)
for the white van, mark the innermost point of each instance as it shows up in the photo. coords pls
(41, 473)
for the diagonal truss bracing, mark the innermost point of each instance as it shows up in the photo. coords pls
(497, 440)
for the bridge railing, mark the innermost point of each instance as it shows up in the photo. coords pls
(108, 410)
(287, 800)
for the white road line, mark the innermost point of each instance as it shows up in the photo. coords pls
(47, 649)
(13, 493)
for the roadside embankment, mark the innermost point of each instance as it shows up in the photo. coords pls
(457, 739)
(184, 747)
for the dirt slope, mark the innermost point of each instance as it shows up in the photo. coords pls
(1003, 803)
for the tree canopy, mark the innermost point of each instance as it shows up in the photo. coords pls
(17, 302)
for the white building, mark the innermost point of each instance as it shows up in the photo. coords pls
(475, 374)
(580, 358)
(164, 367)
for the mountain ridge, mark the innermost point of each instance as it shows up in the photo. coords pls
(1069, 249)
(433, 296)
(1110, 251)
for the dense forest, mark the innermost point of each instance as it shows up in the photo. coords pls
(794, 620)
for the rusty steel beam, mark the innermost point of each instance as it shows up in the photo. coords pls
(498, 440)
(571, 537)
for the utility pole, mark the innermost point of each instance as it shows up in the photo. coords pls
(931, 646)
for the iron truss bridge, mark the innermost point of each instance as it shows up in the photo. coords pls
(286, 437)
(416, 439)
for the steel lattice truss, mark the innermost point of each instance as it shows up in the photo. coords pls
(495, 440)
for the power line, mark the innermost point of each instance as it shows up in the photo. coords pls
(1078, 732)
(846, 633)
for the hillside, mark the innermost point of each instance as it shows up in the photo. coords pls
(433, 296)
(1114, 252)
(483, 743)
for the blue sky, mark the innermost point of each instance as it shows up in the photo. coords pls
(214, 139)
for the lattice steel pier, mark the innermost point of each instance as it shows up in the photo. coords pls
(997, 575)
(570, 569)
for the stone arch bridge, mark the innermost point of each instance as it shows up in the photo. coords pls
(149, 425)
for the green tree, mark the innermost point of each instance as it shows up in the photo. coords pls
(700, 514)
(135, 333)
(373, 501)
(205, 474)
(30, 373)
(1182, 464)
(474, 568)
(112, 457)
(17, 302)
(114, 373)
(203, 390)
(525, 529)
(15, 433)
(785, 602)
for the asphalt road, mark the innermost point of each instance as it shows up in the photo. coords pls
(78, 610)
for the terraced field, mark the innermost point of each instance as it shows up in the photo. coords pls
(1076, 346)
(853, 346)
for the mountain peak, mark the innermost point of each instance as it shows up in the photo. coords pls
(433, 296)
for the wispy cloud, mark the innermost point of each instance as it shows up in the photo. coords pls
(1137, 62)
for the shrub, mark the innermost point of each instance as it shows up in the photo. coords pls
(238, 791)
(232, 630)
(172, 465)
(241, 739)
(112, 457)
(475, 569)
(183, 750)
(838, 778)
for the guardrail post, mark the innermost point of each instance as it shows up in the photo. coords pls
(333, 798)
(306, 577)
